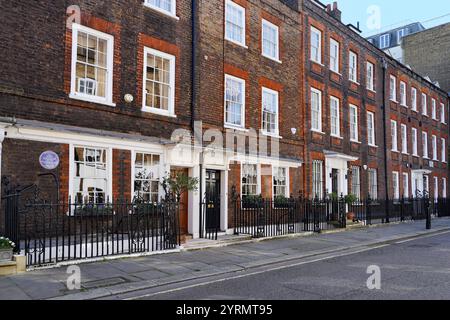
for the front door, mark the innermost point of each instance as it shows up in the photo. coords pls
(335, 181)
(212, 200)
(183, 201)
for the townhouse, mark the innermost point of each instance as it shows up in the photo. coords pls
(259, 97)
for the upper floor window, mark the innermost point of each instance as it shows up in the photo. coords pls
(442, 113)
(434, 145)
(393, 89)
(434, 109)
(316, 110)
(414, 99)
(353, 67)
(443, 150)
(316, 45)
(159, 82)
(404, 139)
(403, 93)
(385, 41)
(394, 135)
(415, 149)
(425, 144)
(270, 40)
(334, 55)
(371, 128)
(165, 6)
(92, 65)
(270, 111)
(370, 76)
(335, 117)
(234, 101)
(354, 134)
(235, 23)
(424, 104)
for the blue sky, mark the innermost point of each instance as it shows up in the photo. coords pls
(394, 13)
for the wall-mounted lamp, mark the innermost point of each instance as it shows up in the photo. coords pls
(294, 131)
(365, 167)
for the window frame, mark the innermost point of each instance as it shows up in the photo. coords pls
(352, 107)
(370, 171)
(442, 113)
(414, 99)
(337, 134)
(320, 187)
(370, 74)
(434, 145)
(394, 136)
(393, 89)
(403, 96)
(172, 13)
(425, 151)
(443, 150)
(337, 45)
(444, 188)
(434, 109)
(358, 184)
(396, 185)
(404, 137)
(385, 41)
(314, 30)
(258, 178)
(353, 69)
(277, 122)
(415, 142)
(170, 112)
(405, 184)
(108, 99)
(319, 120)
(244, 18)
(133, 170)
(286, 186)
(424, 104)
(277, 31)
(371, 138)
(243, 83)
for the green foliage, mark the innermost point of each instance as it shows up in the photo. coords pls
(351, 199)
(281, 201)
(5, 243)
(179, 184)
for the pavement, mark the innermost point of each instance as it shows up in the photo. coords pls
(113, 279)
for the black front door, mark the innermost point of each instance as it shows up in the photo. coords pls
(212, 199)
(335, 181)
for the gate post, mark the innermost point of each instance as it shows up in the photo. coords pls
(342, 212)
(368, 211)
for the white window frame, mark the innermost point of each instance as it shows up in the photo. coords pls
(385, 41)
(286, 187)
(277, 128)
(404, 134)
(133, 170)
(319, 120)
(444, 188)
(317, 164)
(243, 83)
(356, 181)
(334, 45)
(371, 138)
(415, 146)
(370, 76)
(405, 177)
(442, 113)
(400, 35)
(373, 172)
(434, 109)
(425, 144)
(434, 146)
(414, 99)
(443, 150)
(258, 176)
(72, 169)
(335, 102)
(353, 67)
(403, 93)
(396, 184)
(424, 104)
(436, 188)
(242, 9)
(277, 32)
(173, 8)
(394, 136)
(393, 88)
(108, 99)
(317, 59)
(354, 136)
(171, 104)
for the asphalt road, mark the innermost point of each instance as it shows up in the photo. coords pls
(414, 269)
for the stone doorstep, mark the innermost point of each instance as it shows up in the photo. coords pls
(17, 265)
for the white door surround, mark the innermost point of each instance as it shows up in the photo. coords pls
(339, 162)
(417, 181)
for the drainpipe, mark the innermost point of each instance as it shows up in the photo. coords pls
(386, 180)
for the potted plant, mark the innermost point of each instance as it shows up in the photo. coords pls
(6, 249)
(350, 200)
(281, 202)
(252, 201)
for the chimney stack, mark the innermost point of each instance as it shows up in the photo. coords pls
(334, 11)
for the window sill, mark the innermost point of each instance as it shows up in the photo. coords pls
(355, 141)
(394, 101)
(373, 146)
(395, 151)
(336, 72)
(229, 126)
(158, 112)
(318, 131)
(337, 137)
(425, 115)
(404, 105)
(237, 43)
(371, 90)
(317, 62)
(416, 156)
(89, 99)
(273, 135)
(272, 58)
(405, 153)
(354, 82)
(168, 14)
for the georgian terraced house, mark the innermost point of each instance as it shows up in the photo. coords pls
(111, 86)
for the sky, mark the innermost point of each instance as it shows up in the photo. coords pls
(393, 13)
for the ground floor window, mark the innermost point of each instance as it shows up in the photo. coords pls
(90, 175)
(317, 179)
(405, 185)
(146, 176)
(280, 183)
(249, 180)
(444, 188)
(396, 185)
(373, 183)
(356, 182)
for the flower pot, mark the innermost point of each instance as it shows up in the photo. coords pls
(6, 254)
(351, 216)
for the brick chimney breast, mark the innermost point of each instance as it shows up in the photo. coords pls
(335, 12)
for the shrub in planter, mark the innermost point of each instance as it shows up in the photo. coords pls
(252, 201)
(281, 202)
(6, 249)
(350, 200)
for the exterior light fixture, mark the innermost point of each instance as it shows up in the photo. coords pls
(128, 98)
